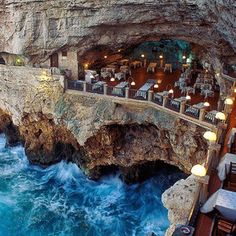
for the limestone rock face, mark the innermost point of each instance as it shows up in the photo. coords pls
(93, 131)
(179, 200)
(37, 28)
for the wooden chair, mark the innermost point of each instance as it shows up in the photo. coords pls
(231, 180)
(223, 227)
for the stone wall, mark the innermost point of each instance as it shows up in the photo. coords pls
(37, 29)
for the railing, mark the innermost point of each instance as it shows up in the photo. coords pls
(116, 92)
(210, 118)
(158, 99)
(185, 111)
(76, 85)
(173, 104)
(138, 94)
(191, 111)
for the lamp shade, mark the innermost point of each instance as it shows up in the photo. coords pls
(210, 136)
(228, 101)
(235, 90)
(132, 83)
(220, 116)
(206, 104)
(188, 97)
(156, 85)
(161, 57)
(171, 91)
(198, 170)
(112, 79)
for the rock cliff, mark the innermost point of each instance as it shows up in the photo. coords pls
(179, 200)
(93, 131)
(36, 29)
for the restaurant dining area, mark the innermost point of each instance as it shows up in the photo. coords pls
(169, 75)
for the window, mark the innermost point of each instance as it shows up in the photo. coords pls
(64, 53)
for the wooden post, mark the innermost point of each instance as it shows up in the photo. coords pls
(165, 99)
(126, 92)
(105, 89)
(202, 114)
(150, 94)
(182, 107)
(84, 84)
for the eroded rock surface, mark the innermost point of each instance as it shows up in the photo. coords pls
(93, 131)
(179, 200)
(37, 28)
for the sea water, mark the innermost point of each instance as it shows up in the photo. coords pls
(60, 200)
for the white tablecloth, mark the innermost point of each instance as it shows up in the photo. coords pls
(231, 137)
(224, 201)
(120, 75)
(136, 64)
(98, 85)
(168, 67)
(223, 167)
(142, 92)
(199, 105)
(119, 88)
(152, 66)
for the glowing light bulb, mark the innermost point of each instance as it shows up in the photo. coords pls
(132, 83)
(184, 57)
(188, 97)
(206, 104)
(156, 86)
(171, 91)
(112, 79)
(161, 57)
(198, 170)
(105, 57)
(142, 55)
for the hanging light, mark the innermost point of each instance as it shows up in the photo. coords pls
(159, 81)
(86, 66)
(132, 83)
(184, 57)
(156, 86)
(119, 50)
(105, 57)
(206, 104)
(161, 56)
(171, 91)
(112, 79)
(210, 136)
(188, 97)
(228, 101)
(142, 55)
(235, 90)
(198, 170)
(220, 116)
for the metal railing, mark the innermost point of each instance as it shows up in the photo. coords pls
(158, 99)
(76, 85)
(191, 111)
(173, 104)
(186, 111)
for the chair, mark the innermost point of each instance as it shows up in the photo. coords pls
(223, 227)
(231, 178)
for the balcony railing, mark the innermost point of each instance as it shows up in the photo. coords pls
(173, 104)
(188, 112)
(191, 111)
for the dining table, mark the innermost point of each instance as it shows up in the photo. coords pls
(224, 165)
(99, 85)
(142, 92)
(232, 137)
(224, 201)
(152, 67)
(136, 64)
(119, 88)
(168, 67)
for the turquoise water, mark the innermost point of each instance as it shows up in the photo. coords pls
(60, 200)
